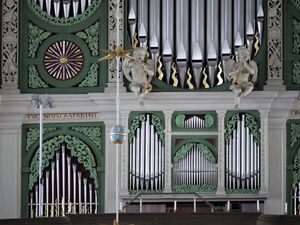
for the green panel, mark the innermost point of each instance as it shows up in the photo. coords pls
(292, 159)
(85, 141)
(84, 32)
(210, 118)
(291, 47)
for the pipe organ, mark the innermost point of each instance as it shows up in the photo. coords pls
(194, 167)
(64, 8)
(194, 122)
(242, 153)
(189, 40)
(66, 188)
(146, 156)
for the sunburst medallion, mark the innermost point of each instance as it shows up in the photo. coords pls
(63, 60)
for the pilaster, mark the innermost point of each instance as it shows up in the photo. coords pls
(168, 150)
(275, 59)
(277, 167)
(110, 166)
(221, 152)
(124, 155)
(9, 46)
(10, 171)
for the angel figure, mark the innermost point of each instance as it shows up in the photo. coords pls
(242, 73)
(142, 72)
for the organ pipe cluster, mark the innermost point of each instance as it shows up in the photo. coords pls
(189, 40)
(194, 169)
(66, 188)
(64, 8)
(146, 158)
(242, 162)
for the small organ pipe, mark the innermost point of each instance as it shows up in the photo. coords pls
(85, 195)
(74, 187)
(91, 198)
(79, 192)
(63, 158)
(57, 181)
(52, 188)
(47, 194)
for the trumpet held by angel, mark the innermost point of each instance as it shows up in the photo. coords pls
(139, 71)
(242, 73)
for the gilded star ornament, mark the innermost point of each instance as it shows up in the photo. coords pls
(117, 52)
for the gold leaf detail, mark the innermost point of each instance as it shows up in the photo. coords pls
(175, 84)
(191, 86)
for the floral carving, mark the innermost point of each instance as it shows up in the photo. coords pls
(33, 135)
(35, 81)
(91, 80)
(91, 36)
(195, 188)
(10, 43)
(275, 39)
(93, 133)
(296, 72)
(295, 133)
(36, 37)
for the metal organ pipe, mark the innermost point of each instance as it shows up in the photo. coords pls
(147, 158)
(242, 158)
(55, 190)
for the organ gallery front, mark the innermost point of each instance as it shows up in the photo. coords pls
(207, 92)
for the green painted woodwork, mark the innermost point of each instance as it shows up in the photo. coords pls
(137, 192)
(78, 149)
(179, 120)
(36, 37)
(291, 47)
(296, 36)
(292, 159)
(90, 36)
(63, 21)
(251, 120)
(296, 169)
(242, 191)
(85, 31)
(184, 149)
(297, 3)
(210, 120)
(94, 133)
(296, 72)
(194, 188)
(135, 119)
(35, 81)
(91, 79)
(33, 135)
(295, 133)
(207, 144)
(85, 142)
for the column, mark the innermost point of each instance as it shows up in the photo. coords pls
(168, 150)
(10, 171)
(277, 167)
(221, 152)
(275, 54)
(9, 47)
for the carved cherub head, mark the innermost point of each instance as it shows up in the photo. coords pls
(243, 54)
(140, 54)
